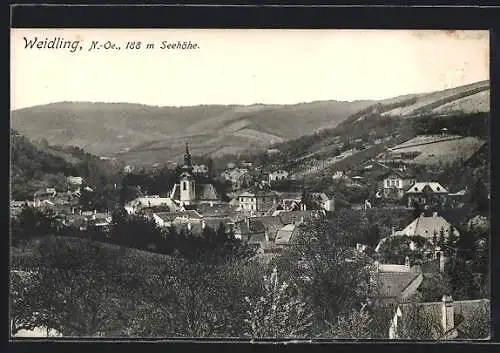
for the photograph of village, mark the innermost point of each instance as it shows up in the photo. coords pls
(269, 184)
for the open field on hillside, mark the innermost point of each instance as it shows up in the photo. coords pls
(436, 150)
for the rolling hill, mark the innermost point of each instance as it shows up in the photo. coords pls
(369, 132)
(146, 134)
(143, 135)
(36, 165)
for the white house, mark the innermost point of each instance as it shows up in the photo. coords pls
(150, 201)
(326, 202)
(74, 180)
(427, 227)
(278, 175)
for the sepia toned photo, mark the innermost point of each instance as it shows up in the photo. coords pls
(255, 184)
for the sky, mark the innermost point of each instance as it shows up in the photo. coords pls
(244, 66)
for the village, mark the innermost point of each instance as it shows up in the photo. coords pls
(271, 221)
(336, 188)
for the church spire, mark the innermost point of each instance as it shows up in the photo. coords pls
(187, 158)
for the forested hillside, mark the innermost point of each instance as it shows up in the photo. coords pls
(35, 166)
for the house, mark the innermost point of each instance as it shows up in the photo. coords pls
(188, 191)
(47, 192)
(326, 202)
(290, 201)
(168, 219)
(200, 169)
(278, 175)
(273, 151)
(429, 226)
(238, 177)
(250, 230)
(74, 180)
(457, 199)
(426, 193)
(396, 283)
(128, 169)
(396, 182)
(288, 234)
(271, 225)
(258, 202)
(292, 217)
(197, 226)
(213, 209)
(150, 201)
(444, 320)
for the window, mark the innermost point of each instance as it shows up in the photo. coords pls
(184, 186)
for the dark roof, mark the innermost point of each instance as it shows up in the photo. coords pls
(215, 210)
(256, 226)
(204, 192)
(290, 195)
(214, 222)
(392, 284)
(170, 216)
(406, 174)
(464, 311)
(289, 217)
(271, 224)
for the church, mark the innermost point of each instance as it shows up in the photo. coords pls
(188, 191)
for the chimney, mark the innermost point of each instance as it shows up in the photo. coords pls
(189, 226)
(95, 212)
(434, 214)
(407, 262)
(447, 316)
(80, 212)
(203, 225)
(73, 210)
(422, 215)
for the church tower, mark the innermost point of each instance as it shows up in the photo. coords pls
(187, 182)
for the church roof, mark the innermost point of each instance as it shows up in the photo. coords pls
(203, 192)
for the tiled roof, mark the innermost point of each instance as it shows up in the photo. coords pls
(285, 234)
(214, 222)
(215, 210)
(271, 225)
(203, 192)
(433, 186)
(290, 195)
(464, 311)
(289, 217)
(392, 284)
(403, 174)
(256, 226)
(427, 226)
(170, 216)
(146, 201)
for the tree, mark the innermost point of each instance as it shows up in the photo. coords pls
(278, 313)
(73, 290)
(325, 262)
(354, 325)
